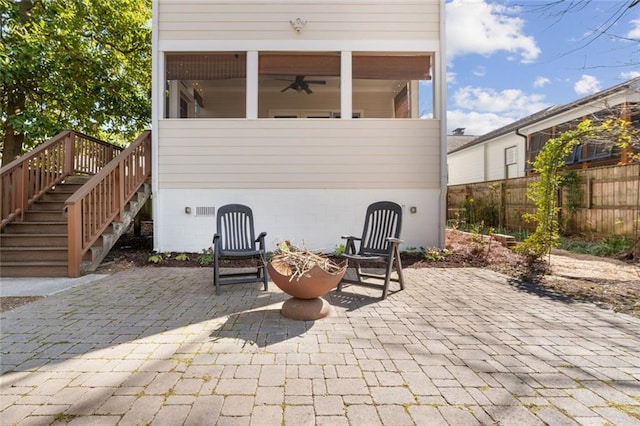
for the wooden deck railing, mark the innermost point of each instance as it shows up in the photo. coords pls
(103, 198)
(26, 179)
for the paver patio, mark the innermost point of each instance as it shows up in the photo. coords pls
(458, 346)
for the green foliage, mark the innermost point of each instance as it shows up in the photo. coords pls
(611, 246)
(481, 244)
(339, 250)
(206, 258)
(548, 164)
(435, 254)
(482, 210)
(155, 258)
(571, 183)
(544, 191)
(182, 257)
(81, 64)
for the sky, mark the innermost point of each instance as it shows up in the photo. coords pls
(507, 59)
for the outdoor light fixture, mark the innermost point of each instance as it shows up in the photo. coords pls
(298, 24)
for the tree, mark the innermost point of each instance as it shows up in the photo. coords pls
(81, 64)
(608, 26)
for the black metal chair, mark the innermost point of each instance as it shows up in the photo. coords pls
(379, 243)
(235, 240)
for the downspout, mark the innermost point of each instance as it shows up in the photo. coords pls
(526, 139)
(157, 86)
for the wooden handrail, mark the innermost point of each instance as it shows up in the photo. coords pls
(101, 200)
(27, 178)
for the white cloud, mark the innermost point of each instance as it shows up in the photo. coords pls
(512, 103)
(480, 110)
(541, 82)
(474, 26)
(475, 123)
(587, 85)
(634, 33)
(629, 75)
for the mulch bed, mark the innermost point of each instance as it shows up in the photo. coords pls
(464, 250)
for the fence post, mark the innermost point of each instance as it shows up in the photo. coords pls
(502, 216)
(74, 239)
(120, 188)
(23, 189)
(69, 153)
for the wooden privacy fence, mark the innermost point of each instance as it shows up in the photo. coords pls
(104, 197)
(598, 202)
(26, 179)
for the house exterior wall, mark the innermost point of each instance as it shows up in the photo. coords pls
(326, 20)
(495, 167)
(486, 161)
(308, 180)
(466, 166)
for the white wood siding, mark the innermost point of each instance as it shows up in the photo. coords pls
(326, 20)
(299, 153)
(466, 166)
(495, 155)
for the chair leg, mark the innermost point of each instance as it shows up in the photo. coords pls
(398, 263)
(387, 278)
(216, 274)
(265, 274)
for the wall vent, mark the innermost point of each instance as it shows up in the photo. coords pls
(205, 211)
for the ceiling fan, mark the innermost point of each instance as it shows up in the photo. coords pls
(300, 84)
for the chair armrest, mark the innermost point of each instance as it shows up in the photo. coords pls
(350, 246)
(216, 237)
(260, 239)
(395, 240)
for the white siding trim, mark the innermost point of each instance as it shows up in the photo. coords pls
(346, 84)
(157, 108)
(252, 85)
(299, 45)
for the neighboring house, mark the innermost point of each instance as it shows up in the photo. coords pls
(306, 111)
(509, 151)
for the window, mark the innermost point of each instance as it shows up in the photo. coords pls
(296, 85)
(535, 144)
(206, 85)
(392, 86)
(298, 82)
(511, 162)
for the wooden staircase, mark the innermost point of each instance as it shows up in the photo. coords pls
(69, 225)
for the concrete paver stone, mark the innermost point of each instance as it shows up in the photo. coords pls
(458, 346)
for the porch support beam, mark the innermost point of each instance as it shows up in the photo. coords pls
(346, 99)
(252, 84)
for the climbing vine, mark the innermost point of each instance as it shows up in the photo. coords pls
(548, 164)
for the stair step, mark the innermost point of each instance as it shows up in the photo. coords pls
(28, 240)
(30, 254)
(34, 269)
(36, 228)
(56, 196)
(43, 216)
(43, 205)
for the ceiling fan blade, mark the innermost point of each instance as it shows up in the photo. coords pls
(315, 82)
(287, 88)
(307, 89)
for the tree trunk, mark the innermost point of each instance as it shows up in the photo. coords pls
(13, 139)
